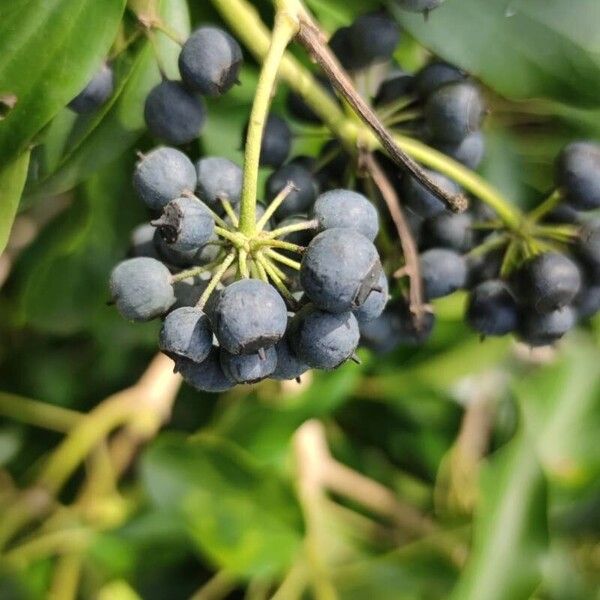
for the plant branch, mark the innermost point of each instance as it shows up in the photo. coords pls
(313, 40)
(411, 254)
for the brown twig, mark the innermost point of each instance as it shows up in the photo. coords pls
(310, 36)
(411, 255)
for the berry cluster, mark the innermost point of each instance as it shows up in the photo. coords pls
(249, 291)
(227, 330)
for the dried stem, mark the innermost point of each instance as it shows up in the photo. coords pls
(313, 40)
(411, 255)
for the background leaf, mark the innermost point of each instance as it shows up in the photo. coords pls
(521, 48)
(12, 180)
(49, 50)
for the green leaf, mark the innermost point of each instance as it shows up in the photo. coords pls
(561, 407)
(12, 180)
(49, 50)
(241, 516)
(98, 140)
(511, 529)
(521, 48)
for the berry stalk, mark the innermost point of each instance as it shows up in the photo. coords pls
(283, 32)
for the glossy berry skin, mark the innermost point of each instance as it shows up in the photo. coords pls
(375, 303)
(173, 113)
(418, 5)
(374, 37)
(588, 245)
(420, 200)
(141, 242)
(301, 198)
(323, 340)
(339, 269)
(141, 288)
(396, 85)
(469, 151)
(207, 376)
(542, 329)
(448, 230)
(454, 111)
(289, 366)
(276, 143)
(95, 93)
(578, 174)
(341, 45)
(547, 282)
(218, 177)
(210, 61)
(186, 333)
(249, 368)
(178, 258)
(443, 271)
(163, 175)
(492, 309)
(249, 315)
(186, 224)
(346, 209)
(587, 302)
(395, 327)
(435, 75)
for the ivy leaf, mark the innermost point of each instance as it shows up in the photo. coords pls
(12, 180)
(98, 141)
(521, 48)
(49, 50)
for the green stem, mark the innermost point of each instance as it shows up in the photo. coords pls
(275, 204)
(284, 260)
(193, 271)
(510, 215)
(283, 32)
(302, 226)
(217, 276)
(38, 414)
(545, 207)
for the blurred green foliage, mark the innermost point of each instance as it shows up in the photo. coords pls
(225, 500)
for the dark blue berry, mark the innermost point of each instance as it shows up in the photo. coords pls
(447, 230)
(395, 86)
(249, 368)
(492, 309)
(186, 224)
(188, 291)
(547, 281)
(578, 174)
(95, 93)
(249, 315)
(276, 143)
(435, 75)
(141, 242)
(301, 198)
(141, 288)
(178, 258)
(339, 269)
(218, 178)
(323, 340)
(173, 113)
(374, 37)
(186, 333)
(542, 329)
(210, 61)
(469, 151)
(375, 303)
(443, 271)
(163, 175)
(587, 301)
(341, 45)
(420, 200)
(347, 210)
(454, 111)
(588, 245)
(289, 366)
(207, 376)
